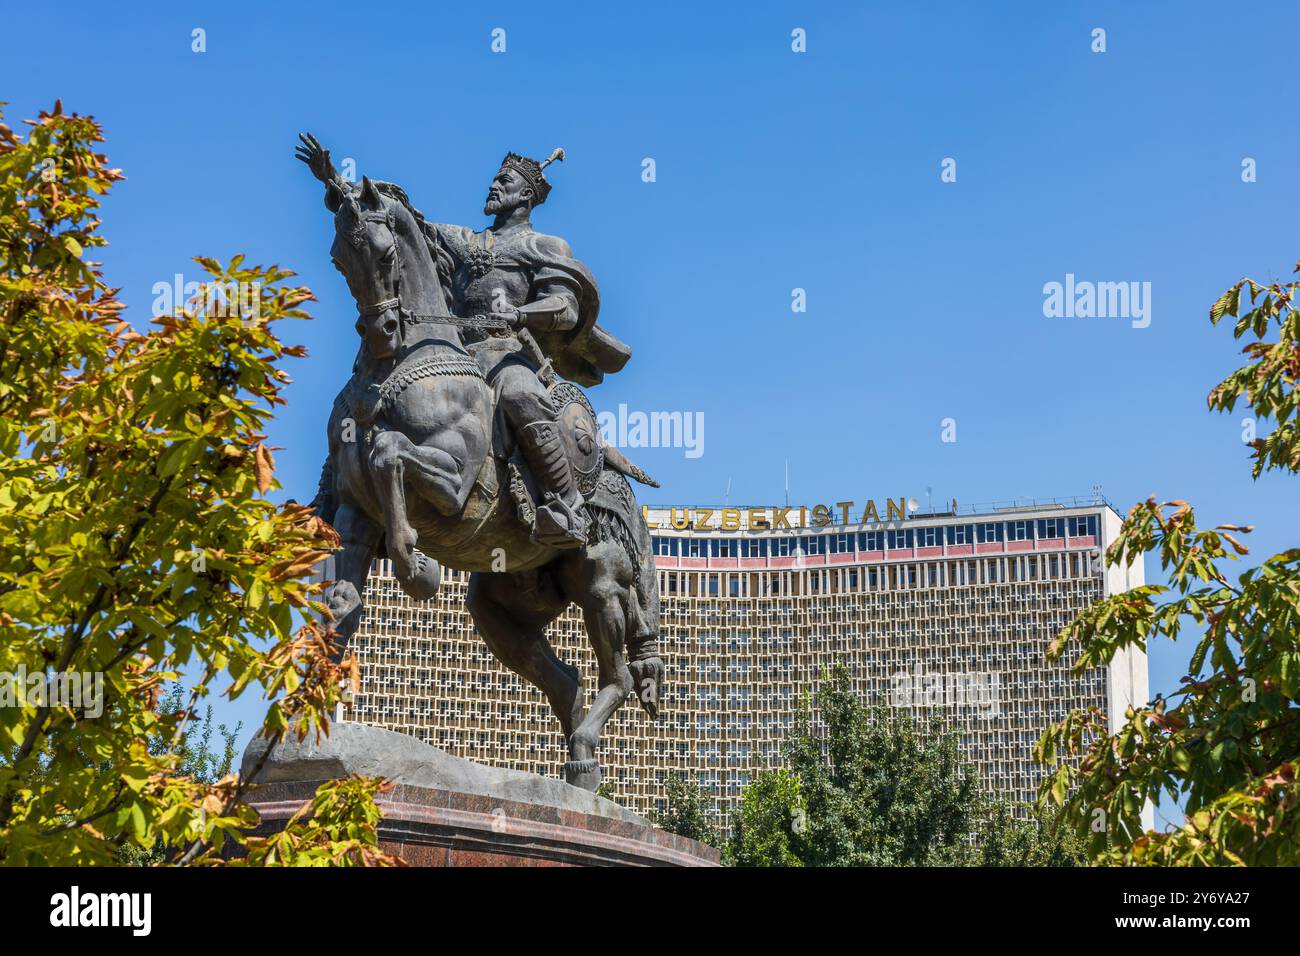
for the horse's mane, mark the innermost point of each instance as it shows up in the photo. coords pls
(394, 191)
(430, 236)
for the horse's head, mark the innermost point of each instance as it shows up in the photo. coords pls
(382, 253)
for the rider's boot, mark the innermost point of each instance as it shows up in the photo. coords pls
(560, 520)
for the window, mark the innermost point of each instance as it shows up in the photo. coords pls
(840, 543)
(1019, 530)
(989, 532)
(1082, 525)
(694, 547)
(666, 547)
(928, 537)
(960, 533)
(753, 547)
(899, 539)
(781, 547)
(1051, 528)
(871, 541)
(814, 545)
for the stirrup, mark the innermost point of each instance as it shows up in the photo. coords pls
(574, 532)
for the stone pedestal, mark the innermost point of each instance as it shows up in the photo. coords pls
(445, 811)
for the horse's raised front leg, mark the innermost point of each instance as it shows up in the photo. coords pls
(433, 475)
(360, 538)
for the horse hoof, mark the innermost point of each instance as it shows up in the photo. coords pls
(583, 774)
(343, 607)
(424, 580)
(647, 683)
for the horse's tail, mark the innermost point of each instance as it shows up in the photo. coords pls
(325, 504)
(620, 463)
(616, 517)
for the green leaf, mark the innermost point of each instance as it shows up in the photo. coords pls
(1226, 304)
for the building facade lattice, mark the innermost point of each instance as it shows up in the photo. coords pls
(936, 614)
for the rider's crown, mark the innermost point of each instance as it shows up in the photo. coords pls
(531, 170)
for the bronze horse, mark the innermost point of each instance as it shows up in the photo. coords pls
(411, 473)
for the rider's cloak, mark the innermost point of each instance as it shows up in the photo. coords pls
(583, 354)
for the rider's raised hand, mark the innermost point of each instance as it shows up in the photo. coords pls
(317, 158)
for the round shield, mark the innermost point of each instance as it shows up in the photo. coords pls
(580, 434)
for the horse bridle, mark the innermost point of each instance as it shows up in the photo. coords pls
(379, 308)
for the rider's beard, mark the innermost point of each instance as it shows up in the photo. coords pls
(502, 205)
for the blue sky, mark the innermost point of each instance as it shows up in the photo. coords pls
(775, 171)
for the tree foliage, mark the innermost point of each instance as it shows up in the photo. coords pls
(1004, 839)
(769, 826)
(687, 812)
(136, 539)
(198, 760)
(1228, 741)
(862, 786)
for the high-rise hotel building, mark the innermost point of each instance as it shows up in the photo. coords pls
(939, 613)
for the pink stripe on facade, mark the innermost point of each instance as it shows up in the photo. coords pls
(672, 562)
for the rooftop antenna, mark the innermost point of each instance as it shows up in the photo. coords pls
(929, 506)
(726, 498)
(787, 482)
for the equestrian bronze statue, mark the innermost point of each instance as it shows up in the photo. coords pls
(463, 439)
